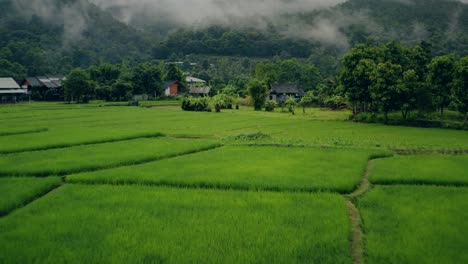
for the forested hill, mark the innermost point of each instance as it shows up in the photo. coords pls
(442, 22)
(69, 35)
(76, 33)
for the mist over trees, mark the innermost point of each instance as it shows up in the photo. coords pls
(80, 33)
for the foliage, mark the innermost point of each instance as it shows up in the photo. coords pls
(198, 104)
(270, 106)
(460, 87)
(173, 73)
(336, 102)
(258, 91)
(305, 75)
(440, 76)
(146, 79)
(78, 86)
(291, 104)
(386, 89)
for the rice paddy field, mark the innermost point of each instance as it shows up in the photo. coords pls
(101, 183)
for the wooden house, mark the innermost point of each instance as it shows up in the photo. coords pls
(173, 88)
(199, 91)
(281, 92)
(10, 91)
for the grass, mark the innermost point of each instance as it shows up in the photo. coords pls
(421, 169)
(238, 167)
(416, 224)
(93, 157)
(123, 224)
(75, 124)
(21, 131)
(17, 192)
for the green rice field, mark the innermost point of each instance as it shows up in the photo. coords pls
(416, 224)
(422, 169)
(241, 167)
(17, 192)
(108, 183)
(153, 225)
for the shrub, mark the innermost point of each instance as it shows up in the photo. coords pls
(270, 106)
(201, 104)
(291, 104)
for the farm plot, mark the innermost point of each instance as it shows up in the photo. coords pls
(16, 192)
(99, 156)
(241, 167)
(416, 224)
(421, 169)
(137, 224)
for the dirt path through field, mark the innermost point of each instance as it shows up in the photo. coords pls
(357, 233)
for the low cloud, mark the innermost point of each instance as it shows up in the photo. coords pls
(73, 16)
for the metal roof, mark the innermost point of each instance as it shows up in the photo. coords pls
(286, 89)
(33, 81)
(190, 79)
(200, 90)
(8, 83)
(13, 91)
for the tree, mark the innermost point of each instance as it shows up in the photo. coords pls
(104, 74)
(306, 100)
(460, 87)
(440, 76)
(173, 73)
(258, 91)
(120, 89)
(291, 104)
(356, 79)
(146, 78)
(78, 86)
(387, 89)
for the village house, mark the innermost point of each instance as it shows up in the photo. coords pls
(173, 88)
(44, 87)
(199, 91)
(192, 81)
(10, 91)
(281, 92)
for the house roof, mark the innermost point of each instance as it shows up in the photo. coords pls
(286, 89)
(13, 91)
(199, 90)
(33, 81)
(44, 80)
(191, 79)
(8, 83)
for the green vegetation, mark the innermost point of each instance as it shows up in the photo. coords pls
(90, 124)
(421, 169)
(300, 157)
(415, 224)
(236, 167)
(98, 156)
(17, 192)
(121, 224)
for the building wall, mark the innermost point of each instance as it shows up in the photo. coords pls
(173, 89)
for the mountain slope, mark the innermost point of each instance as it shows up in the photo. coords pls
(73, 35)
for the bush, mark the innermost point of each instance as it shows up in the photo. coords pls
(270, 106)
(291, 104)
(201, 104)
(247, 101)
